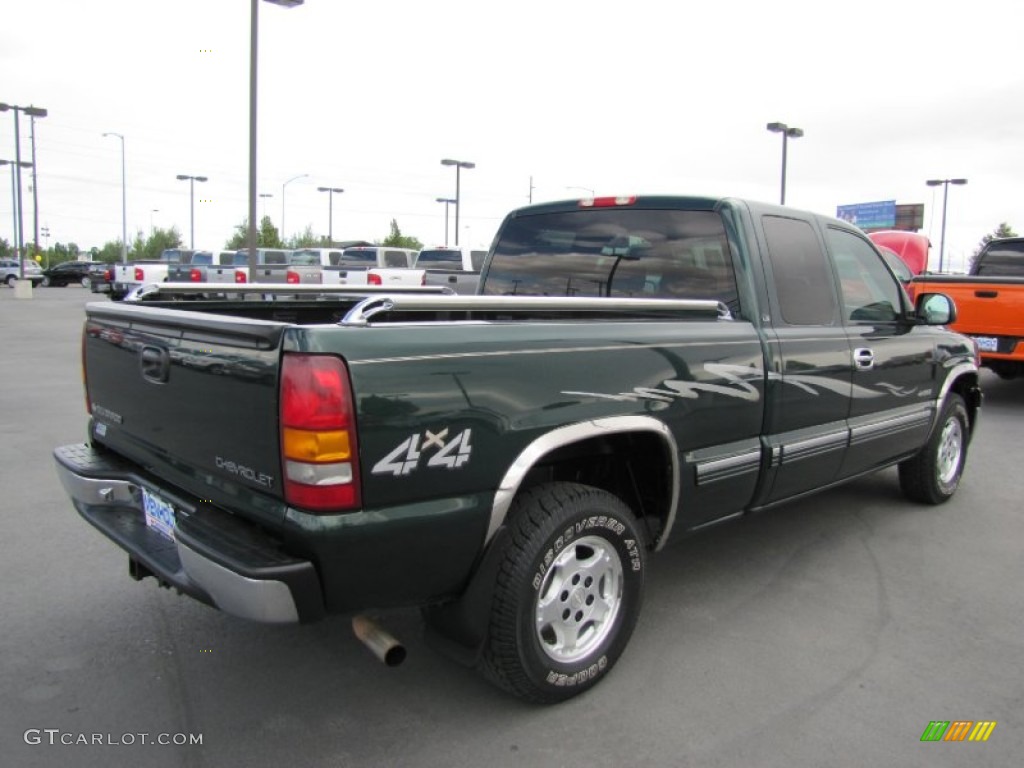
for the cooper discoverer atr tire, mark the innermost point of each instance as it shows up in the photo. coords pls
(933, 475)
(568, 592)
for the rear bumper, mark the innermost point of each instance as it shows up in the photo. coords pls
(214, 556)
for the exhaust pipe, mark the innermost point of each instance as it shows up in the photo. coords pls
(377, 639)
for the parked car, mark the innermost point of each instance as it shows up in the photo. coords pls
(61, 275)
(10, 272)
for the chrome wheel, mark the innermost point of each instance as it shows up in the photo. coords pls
(950, 447)
(579, 599)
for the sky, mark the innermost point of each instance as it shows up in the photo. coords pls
(551, 99)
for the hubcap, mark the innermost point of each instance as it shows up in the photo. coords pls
(579, 599)
(950, 448)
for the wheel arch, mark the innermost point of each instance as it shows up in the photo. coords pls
(963, 379)
(558, 454)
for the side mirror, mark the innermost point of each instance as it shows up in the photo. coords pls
(935, 309)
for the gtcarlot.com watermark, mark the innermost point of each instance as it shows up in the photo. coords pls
(55, 737)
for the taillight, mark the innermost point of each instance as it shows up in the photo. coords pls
(372, 279)
(318, 434)
(240, 276)
(423, 278)
(607, 202)
(108, 275)
(291, 277)
(195, 276)
(139, 274)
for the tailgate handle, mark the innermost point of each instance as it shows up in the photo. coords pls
(453, 279)
(986, 294)
(155, 364)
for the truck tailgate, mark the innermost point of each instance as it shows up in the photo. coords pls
(190, 396)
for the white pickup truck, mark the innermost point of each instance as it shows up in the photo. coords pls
(132, 274)
(456, 268)
(373, 265)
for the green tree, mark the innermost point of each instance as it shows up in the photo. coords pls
(109, 253)
(267, 236)
(306, 239)
(397, 240)
(1003, 230)
(5, 248)
(150, 247)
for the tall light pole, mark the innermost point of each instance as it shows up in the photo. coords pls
(945, 197)
(331, 192)
(283, 186)
(787, 133)
(253, 45)
(124, 201)
(263, 197)
(151, 212)
(459, 165)
(14, 199)
(585, 189)
(192, 203)
(447, 201)
(19, 229)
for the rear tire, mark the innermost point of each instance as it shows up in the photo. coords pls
(45, 282)
(568, 592)
(933, 475)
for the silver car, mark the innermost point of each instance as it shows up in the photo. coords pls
(9, 272)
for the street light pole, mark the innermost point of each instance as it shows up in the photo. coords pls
(192, 204)
(787, 133)
(253, 45)
(945, 197)
(459, 165)
(263, 197)
(293, 178)
(19, 229)
(14, 199)
(447, 201)
(124, 202)
(331, 191)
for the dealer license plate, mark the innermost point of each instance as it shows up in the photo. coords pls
(159, 514)
(987, 343)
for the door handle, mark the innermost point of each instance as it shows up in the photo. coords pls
(863, 359)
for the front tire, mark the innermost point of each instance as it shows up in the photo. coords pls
(568, 592)
(933, 475)
(46, 282)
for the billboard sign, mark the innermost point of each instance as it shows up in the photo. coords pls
(868, 216)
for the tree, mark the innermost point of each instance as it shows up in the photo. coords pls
(1003, 230)
(267, 236)
(5, 248)
(397, 240)
(306, 239)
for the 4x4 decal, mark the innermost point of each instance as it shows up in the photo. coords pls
(405, 457)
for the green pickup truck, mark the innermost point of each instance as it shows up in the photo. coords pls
(632, 369)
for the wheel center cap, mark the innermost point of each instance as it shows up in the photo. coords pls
(577, 599)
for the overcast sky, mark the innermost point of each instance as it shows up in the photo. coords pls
(618, 97)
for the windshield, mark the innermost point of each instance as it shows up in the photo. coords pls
(623, 252)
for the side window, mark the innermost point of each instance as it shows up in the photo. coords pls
(803, 280)
(870, 294)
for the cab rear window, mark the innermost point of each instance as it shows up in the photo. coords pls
(615, 252)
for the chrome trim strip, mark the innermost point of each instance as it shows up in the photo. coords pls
(574, 433)
(726, 468)
(890, 426)
(815, 446)
(543, 351)
(266, 601)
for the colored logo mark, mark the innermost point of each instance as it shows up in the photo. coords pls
(958, 730)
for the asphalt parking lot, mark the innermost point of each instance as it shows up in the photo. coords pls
(830, 632)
